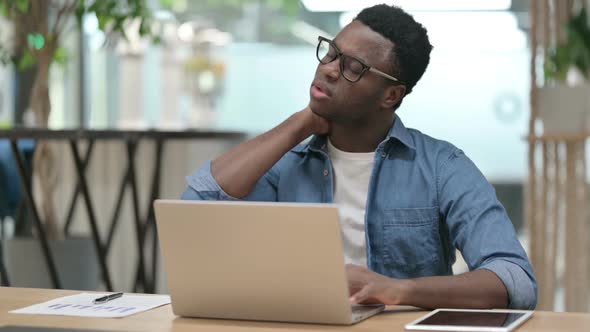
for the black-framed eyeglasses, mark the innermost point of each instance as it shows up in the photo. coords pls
(351, 68)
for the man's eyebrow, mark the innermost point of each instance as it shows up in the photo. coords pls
(346, 53)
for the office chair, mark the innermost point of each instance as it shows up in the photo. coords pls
(11, 202)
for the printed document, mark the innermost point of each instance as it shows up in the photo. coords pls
(82, 305)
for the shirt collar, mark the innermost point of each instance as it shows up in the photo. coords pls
(397, 132)
(401, 133)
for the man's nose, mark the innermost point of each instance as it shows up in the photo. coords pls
(331, 70)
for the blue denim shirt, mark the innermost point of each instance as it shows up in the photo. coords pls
(425, 199)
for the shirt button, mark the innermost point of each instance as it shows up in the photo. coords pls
(383, 154)
(326, 172)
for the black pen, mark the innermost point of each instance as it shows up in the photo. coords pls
(107, 298)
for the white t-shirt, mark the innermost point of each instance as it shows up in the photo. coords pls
(352, 173)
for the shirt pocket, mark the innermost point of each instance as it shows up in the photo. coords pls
(411, 241)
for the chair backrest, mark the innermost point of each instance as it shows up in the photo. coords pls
(10, 191)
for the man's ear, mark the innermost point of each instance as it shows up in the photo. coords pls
(393, 95)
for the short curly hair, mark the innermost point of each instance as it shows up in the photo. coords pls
(411, 47)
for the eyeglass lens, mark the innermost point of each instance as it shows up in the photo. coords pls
(351, 68)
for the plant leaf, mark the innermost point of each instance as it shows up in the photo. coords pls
(167, 3)
(22, 6)
(61, 56)
(80, 11)
(26, 61)
(574, 52)
(3, 8)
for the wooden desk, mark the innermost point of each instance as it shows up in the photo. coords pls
(161, 319)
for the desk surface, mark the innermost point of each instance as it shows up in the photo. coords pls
(161, 319)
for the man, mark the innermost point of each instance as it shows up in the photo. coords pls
(406, 200)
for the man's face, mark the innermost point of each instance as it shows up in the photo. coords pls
(335, 98)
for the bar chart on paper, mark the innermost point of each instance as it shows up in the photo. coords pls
(81, 305)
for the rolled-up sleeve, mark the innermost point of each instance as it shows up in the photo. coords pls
(521, 287)
(480, 228)
(203, 186)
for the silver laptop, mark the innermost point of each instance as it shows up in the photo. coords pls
(256, 261)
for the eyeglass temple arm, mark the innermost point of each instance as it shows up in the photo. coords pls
(382, 74)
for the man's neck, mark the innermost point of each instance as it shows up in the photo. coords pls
(357, 138)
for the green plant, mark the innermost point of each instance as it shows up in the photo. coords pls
(39, 28)
(41, 24)
(574, 52)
